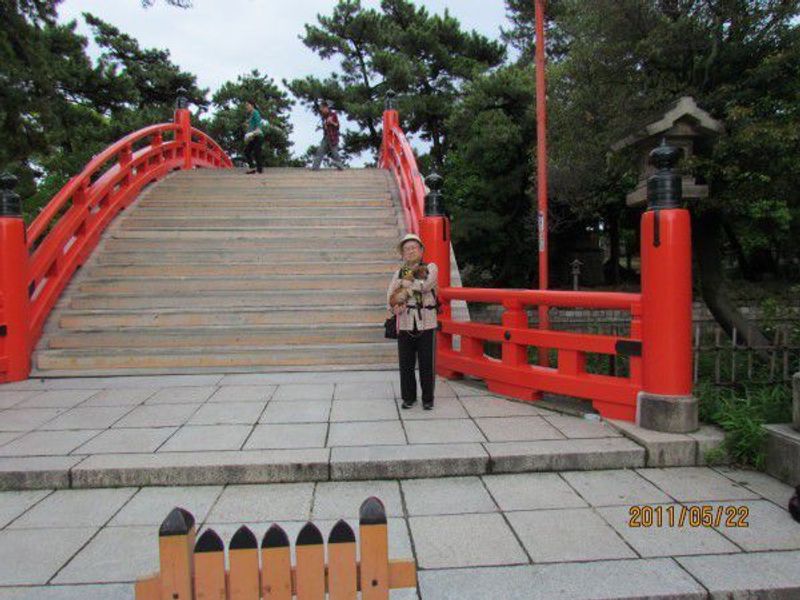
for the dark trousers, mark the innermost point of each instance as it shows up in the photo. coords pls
(252, 153)
(411, 348)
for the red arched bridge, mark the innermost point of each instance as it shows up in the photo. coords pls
(189, 266)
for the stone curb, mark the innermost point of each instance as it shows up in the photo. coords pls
(674, 449)
(317, 464)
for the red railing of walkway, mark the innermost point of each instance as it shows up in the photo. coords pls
(398, 157)
(658, 346)
(37, 263)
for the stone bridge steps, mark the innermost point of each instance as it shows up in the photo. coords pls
(213, 271)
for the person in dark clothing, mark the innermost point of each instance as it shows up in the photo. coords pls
(330, 138)
(253, 139)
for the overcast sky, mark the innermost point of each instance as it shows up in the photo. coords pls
(218, 40)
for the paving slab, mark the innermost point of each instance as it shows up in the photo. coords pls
(686, 484)
(74, 508)
(443, 408)
(295, 435)
(11, 398)
(150, 506)
(26, 419)
(760, 483)
(668, 539)
(58, 399)
(243, 393)
(366, 433)
(342, 499)
(9, 436)
(772, 575)
(614, 487)
(768, 527)
(70, 592)
(308, 411)
(448, 496)
(651, 579)
(134, 440)
(577, 427)
(193, 438)
(517, 429)
(116, 554)
(36, 472)
(13, 504)
(493, 406)
(257, 503)
(201, 468)
(90, 417)
(443, 431)
(166, 415)
(120, 397)
(182, 395)
(33, 556)
(230, 413)
(363, 410)
(304, 391)
(565, 455)
(571, 534)
(464, 541)
(410, 461)
(48, 443)
(364, 391)
(530, 491)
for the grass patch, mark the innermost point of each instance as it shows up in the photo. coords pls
(741, 413)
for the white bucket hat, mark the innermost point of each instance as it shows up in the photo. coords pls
(409, 237)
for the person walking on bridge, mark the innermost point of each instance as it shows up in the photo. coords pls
(253, 138)
(329, 146)
(416, 321)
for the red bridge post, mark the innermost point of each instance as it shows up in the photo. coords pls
(666, 402)
(15, 364)
(391, 119)
(183, 118)
(434, 230)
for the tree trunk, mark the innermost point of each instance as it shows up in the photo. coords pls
(707, 240)
(612, 220)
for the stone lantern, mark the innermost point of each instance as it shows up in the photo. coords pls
(685, 126)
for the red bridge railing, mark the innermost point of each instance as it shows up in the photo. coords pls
(656, 388)
(398, 157)
(37, 263)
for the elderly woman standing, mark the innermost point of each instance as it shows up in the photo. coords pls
(416, 322)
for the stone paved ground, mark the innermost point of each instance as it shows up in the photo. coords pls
(537, 535)
(277, 428)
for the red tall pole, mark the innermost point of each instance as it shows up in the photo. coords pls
(541, 161)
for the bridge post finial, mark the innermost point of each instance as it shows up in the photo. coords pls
(433, 199)
(664, 188)
(182, 100)
(391, 100)
(10, 202)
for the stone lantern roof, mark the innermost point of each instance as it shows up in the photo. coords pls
(684, 125)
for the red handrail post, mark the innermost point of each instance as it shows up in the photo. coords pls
(514, 355)
(666, 402)
(15, 364)
(183, 119)
(391, 120)
(434, 230)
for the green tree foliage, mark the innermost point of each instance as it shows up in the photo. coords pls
(227, 124)
(487, 175)
(425, 58)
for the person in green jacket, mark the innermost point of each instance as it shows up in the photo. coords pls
(253, 138)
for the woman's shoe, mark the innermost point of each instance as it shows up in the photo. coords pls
(407, 405)
(251, 172)
(428, 406)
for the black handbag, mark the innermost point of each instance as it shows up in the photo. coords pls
(390, 326)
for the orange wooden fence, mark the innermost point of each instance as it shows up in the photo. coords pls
(195, 570)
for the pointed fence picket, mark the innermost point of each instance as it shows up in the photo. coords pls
(192, 570)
